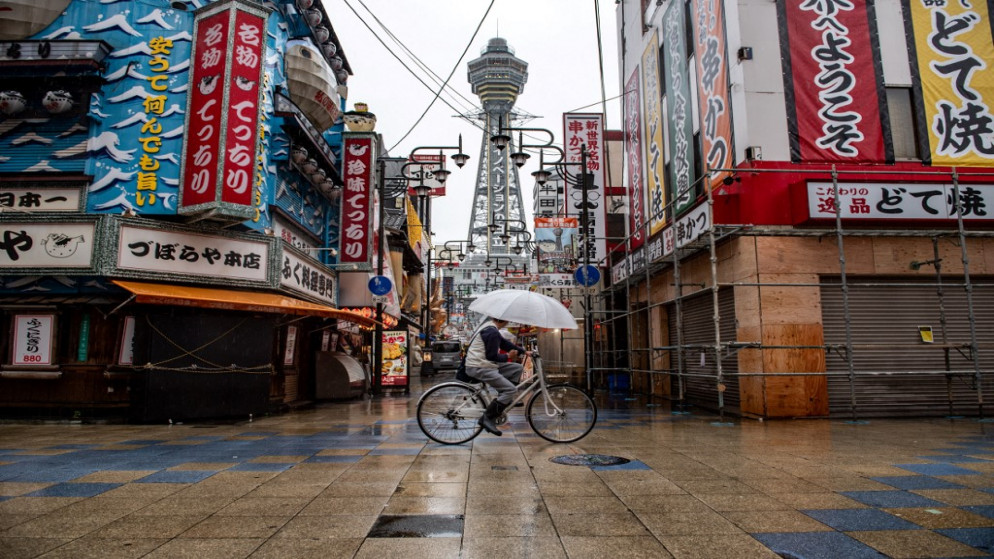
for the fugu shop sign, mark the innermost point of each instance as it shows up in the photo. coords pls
(223, 105)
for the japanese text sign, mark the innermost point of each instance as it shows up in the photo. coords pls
(356, 223)
(678, 105)
(713, 100)
(172, 252)
(32, 343)
(955, 52)
(633, 162)
(587, 129)
(900, 201)
(223, 117)
(834, 83)
(46, 245)
(654, 158)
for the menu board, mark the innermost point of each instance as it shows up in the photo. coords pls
(394, 368)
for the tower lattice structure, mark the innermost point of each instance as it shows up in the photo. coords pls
(497, 77)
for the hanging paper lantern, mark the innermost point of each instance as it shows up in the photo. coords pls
(57, 102)
(298, 154)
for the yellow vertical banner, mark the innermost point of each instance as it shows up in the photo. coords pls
(653, 125)
(953, 43)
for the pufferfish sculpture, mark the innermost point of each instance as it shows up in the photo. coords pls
(57, 102)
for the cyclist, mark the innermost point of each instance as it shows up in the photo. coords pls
(484, 362)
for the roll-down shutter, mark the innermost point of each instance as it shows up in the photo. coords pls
(896, 373)
(701, 384)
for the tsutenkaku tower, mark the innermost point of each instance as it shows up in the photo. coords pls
(497, 77)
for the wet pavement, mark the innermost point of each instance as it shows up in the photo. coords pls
(359, 479)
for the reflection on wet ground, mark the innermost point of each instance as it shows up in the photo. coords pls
(359, 479)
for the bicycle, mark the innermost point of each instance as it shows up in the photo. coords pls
(449, 413)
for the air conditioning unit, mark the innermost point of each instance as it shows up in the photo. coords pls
(754, 153)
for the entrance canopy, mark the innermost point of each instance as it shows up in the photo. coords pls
(209, 298)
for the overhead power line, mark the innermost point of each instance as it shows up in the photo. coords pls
(444, 85)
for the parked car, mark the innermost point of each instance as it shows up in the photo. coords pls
(445, 355)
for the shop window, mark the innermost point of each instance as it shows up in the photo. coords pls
(904, 133)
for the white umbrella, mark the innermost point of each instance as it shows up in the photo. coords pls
(524, 307)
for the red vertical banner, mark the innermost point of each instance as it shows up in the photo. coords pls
(243, 108)
(205, 110)
(356, 236)
(713, 99)
(223, 107)
(633, 162)
(833, 82)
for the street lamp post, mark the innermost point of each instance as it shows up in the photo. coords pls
(582, 180)
(423, 192)
(384, 192)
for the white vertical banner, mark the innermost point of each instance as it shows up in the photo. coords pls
(126, 354)
(587, 129)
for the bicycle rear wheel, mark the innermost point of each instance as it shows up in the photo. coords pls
(562, 413)
(449, 413)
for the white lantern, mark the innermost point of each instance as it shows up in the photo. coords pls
(57, 102)
(309, 166)
(298, 154)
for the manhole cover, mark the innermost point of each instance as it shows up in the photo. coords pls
(589, 460)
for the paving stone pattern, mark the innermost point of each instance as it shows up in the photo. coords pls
(358, 479)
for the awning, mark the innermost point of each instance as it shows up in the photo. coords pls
(209, 298)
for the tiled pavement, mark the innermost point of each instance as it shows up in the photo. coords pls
(358, 479)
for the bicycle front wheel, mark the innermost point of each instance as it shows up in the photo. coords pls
(449, 413)
(562, 413)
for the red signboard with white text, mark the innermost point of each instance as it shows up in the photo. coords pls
(356, 224)
(834, 83)
(243, 103)
(633, 162)
(223, 111)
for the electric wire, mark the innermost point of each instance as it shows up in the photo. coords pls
(444, 85)
(402, 63)
(472, 106)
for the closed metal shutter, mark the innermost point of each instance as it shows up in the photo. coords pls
(896, 374)
(698, 330)
(291, 386)
(62, 147)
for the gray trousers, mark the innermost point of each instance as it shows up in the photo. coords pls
(504, 379)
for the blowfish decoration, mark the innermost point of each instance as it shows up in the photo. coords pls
(12, 102)
(208, 84)
(57, 102)
(61, 246)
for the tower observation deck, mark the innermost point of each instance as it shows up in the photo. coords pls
(497, 77)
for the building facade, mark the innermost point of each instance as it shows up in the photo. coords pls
(810, 206)
(171, 208)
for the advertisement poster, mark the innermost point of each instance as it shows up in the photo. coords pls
(33, 339)
(394, 367)
(555, 237)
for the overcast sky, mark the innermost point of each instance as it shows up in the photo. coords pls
(557, 38)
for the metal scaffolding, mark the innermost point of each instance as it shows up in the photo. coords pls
(627, 310)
